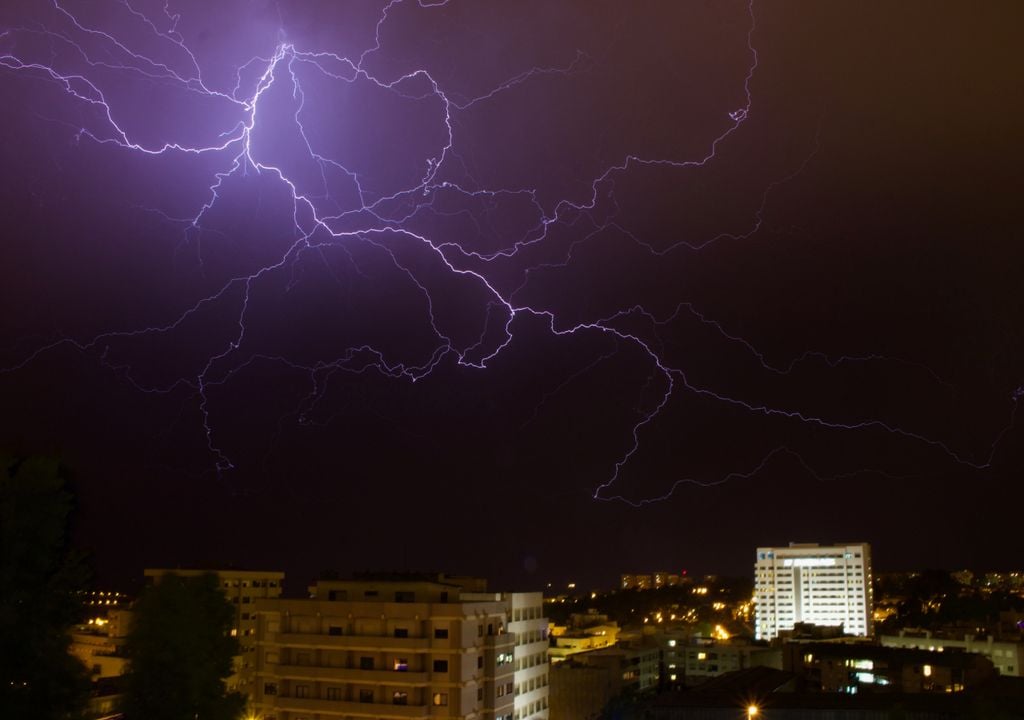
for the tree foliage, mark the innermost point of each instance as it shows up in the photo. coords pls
(180, 651)
(40, 581)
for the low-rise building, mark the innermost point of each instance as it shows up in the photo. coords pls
(1006, 656)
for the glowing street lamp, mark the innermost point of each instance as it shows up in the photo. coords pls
(753, 710)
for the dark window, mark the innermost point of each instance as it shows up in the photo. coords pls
(369, 593)
(334, 693)
(441, 633)
(400, 697)
(401, 632)
(404, 596)
(302, 691)
(479, 694)
(270, 688)
(479, 630)
(366, 696)
(490, 629)
(365, 663)
(480, 661)
(444, 596)
(335, 630)
(440, 666)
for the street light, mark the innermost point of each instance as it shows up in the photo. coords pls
(753, 710)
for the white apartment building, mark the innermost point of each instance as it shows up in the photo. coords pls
(817, 584)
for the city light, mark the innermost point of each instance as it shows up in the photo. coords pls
(753, 711)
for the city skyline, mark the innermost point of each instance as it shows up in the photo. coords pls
(543, 292)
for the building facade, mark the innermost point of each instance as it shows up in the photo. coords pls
(813, 584)
(529, 627)
(385, 649)
(1007, 656)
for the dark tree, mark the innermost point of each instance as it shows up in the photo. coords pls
(180, 651)
(40, 581)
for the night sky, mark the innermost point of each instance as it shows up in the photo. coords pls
(543, 291)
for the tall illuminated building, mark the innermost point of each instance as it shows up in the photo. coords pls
(816, 584)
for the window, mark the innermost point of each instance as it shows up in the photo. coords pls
(500, 691)
(302, 691)
(335, 630)
(441, 633)
(334, 693)
(400, 697)
(401, 632)
(246, 600)
(440, 699)
(369, 593)
(365, 663)
(444, 596)
(479, 630)
(401, 664)
(405, 596)
(479, 694)
(366, 696)
(440, 666)
(508, 688)
(480, 661)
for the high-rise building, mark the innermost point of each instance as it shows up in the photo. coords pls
(242, 588)
(379, 647)
(815, 584)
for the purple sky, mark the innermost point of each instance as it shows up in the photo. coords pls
(534, 290)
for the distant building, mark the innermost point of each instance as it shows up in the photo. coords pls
(649, 581)
(702, 661)
(242, 588)
(388, 648)
(852, 668)
(568, 642)
(583, 685)
(1007, 657)
(815, 584)
(99, 643)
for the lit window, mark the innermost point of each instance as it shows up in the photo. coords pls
(927, 670)
(440, 699)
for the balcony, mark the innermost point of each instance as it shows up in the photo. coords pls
(346, 642)
(352, 675)
(347, 708)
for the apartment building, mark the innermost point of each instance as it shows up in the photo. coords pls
(385, 648)
(813, 584)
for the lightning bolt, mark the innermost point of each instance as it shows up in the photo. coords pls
(335, 208)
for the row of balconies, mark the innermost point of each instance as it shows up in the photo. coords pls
(379, 642)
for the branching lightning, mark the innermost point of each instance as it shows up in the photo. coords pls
(383, 222)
